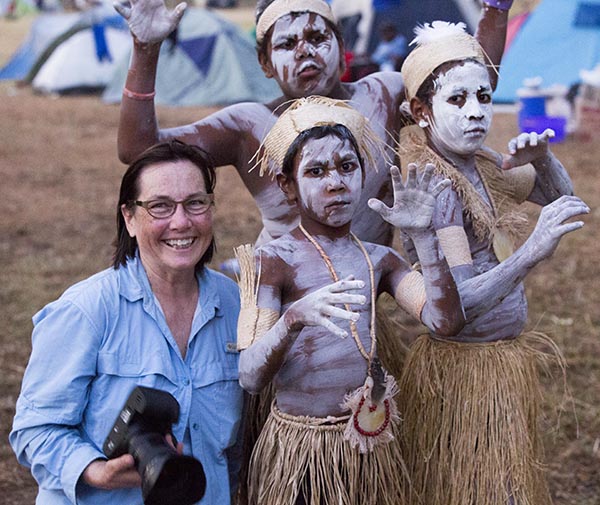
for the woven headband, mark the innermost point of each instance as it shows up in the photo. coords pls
(306, 113)
(280, 8)
(446, 45)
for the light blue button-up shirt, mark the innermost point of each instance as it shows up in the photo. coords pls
(92, 346)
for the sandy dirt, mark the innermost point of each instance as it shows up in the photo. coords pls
(59, 177)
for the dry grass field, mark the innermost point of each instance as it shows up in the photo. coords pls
(59, 178)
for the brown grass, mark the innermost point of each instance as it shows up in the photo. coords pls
(59, 180)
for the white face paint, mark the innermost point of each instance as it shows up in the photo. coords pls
(329, 180)
(462, 109)
(304, 55)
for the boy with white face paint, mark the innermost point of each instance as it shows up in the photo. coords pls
(301, 48)
(307, 324)
(470, 401)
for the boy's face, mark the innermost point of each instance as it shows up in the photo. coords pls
(328, 181)
(303, 56)
(462, 109)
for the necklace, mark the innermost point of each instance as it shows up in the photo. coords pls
(369, 426)
(353, 330)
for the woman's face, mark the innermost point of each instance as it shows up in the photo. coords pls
(304, 56)
(461, 109)
(172, 245)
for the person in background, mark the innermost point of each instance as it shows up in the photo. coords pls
(157, 318)
(391, 50)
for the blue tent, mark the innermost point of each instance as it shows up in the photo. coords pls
(558, 40)
(208, 61)
(69, 50)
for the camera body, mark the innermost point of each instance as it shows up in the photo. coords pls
(140, 430)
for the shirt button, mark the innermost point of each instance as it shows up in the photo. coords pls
(186, 382)
(195, 426)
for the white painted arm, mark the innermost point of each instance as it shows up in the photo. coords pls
(262, 360)
(412, 212)
(483, 292)
(552, 179)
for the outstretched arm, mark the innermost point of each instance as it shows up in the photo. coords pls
(552, 180)
(483, 292)
(262, 360)
(412, 212)
(491, 33)
(150, 23)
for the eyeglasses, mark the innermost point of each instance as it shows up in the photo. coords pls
(162, 208)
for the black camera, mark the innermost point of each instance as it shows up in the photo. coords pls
(140, 429)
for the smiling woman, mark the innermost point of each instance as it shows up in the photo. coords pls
(160, 319)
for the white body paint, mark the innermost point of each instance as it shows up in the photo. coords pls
(329, 186)
(305, 55)
(462, 109)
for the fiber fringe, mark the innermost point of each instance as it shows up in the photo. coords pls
(308, 456)
(502, 216)
(470, 433)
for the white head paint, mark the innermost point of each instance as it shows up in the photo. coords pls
(329, 180)
(305, 55)
(461, 109)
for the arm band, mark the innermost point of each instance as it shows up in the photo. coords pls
(503, 5)
(143, 97)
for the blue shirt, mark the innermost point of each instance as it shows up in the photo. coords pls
(92, 346)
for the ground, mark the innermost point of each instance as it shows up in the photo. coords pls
(59, 178)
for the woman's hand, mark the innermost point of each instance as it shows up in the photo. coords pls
(414, 202)
(113, 473)
(150, 21)
(316, 308)
(526, 148)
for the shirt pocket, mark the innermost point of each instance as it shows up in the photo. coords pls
(152, 369)
(218, 400)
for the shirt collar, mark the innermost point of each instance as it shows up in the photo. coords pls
(134, 285)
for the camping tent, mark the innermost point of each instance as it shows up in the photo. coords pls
(70, 51)
(557, 40)
(210, 61)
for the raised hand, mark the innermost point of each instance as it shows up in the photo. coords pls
(552, 225)
(150, 21)
(414, 202)
(526, 148)
(316, 308)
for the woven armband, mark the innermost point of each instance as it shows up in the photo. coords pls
(410, 294)
(455, 246)
(253, 321)
(503, 5)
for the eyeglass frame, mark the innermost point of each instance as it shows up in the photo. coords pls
(145, 203)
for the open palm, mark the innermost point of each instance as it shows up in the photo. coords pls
(414, 201)
(150, 21)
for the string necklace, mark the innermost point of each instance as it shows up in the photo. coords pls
(353, 330)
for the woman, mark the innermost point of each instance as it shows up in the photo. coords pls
(158, 318)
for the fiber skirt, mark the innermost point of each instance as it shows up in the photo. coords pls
(470, 411)
(308, 458)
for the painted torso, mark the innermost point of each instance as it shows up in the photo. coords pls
(507, 319)
(234, 134)
(321, 368)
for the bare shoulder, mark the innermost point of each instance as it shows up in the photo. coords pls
(379, 82)
(385, 258)
(280, 256)
(240, 116)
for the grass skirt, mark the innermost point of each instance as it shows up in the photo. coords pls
(304, 456)
(470, 411)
